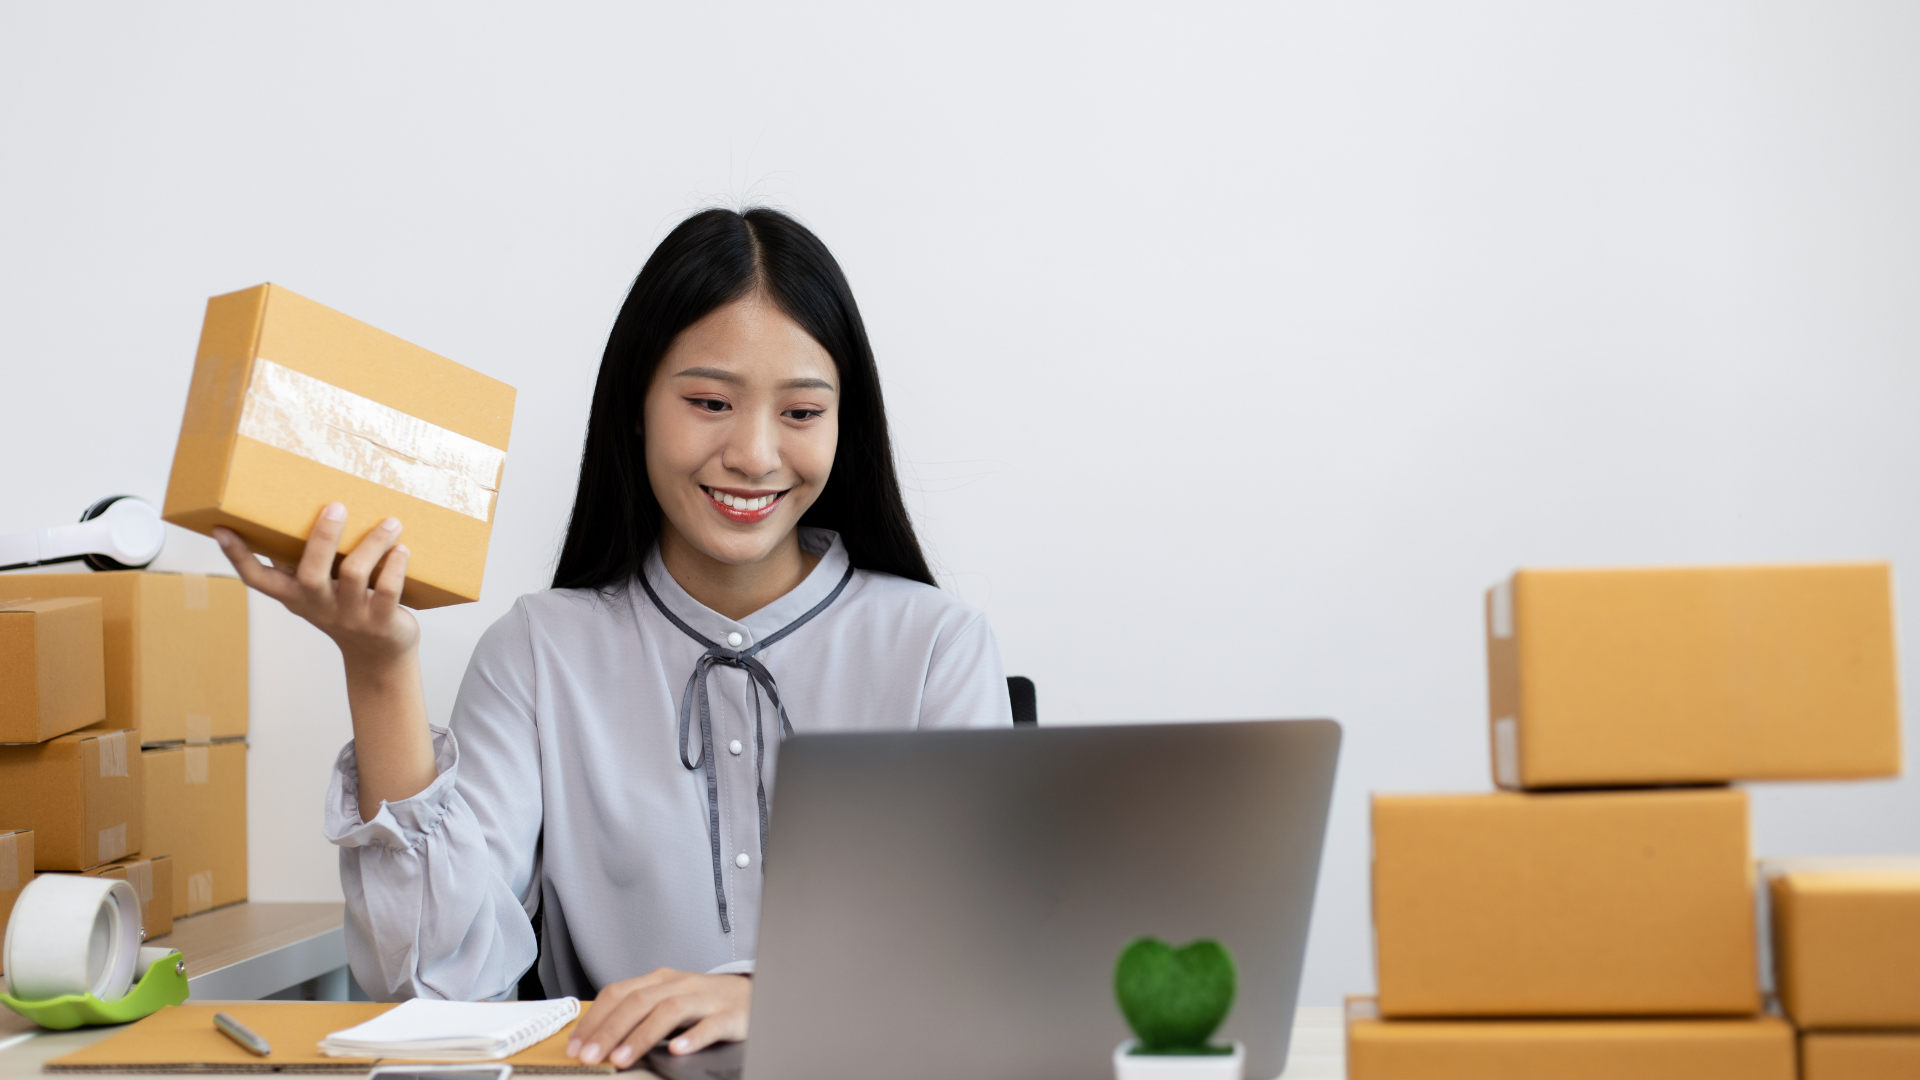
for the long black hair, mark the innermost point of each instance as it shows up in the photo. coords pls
(714, 258)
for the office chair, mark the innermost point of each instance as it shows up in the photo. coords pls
(1020, 690)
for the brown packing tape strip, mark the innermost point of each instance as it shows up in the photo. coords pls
(9, 861)
(182, 1039)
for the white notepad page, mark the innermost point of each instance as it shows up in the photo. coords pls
(453, 1030)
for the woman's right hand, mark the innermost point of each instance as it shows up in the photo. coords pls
(365, 620)
(379, 639)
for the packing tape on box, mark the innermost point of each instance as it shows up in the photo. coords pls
(9, 861)
(340, 429)
(113, 842)
(113, 754)
(199, 892)
(198, 765)
(193, 591)
(73, 935)
(1506, 753)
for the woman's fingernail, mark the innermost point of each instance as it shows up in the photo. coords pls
(399, 549)
(391, 524)
(591, 1054)
(681, 1045)
(623, 1057)
(335, 512)
(573, 1048)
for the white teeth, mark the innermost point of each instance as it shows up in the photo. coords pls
(744, 505)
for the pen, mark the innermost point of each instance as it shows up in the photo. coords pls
(240, 1033)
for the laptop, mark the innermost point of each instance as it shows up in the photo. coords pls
(949, 905)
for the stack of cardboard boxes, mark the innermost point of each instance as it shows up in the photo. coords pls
(1597, 917)
(123, 704)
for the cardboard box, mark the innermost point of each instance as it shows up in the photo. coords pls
(80, 793)
(152, 879)
(197, 813)
(1750, 1048)
(16, 871)
(1860, 1055)
(176, 649)
(52, 668)
(1623, 903)
(294, 405)
(1846, 942)
(1604, 678)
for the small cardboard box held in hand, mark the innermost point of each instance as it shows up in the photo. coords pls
(294, 406)
(1749, 1048)
(52, 666)
(1846, 941)
(1609, 678)
(80, 793)
(176, 649)
(16, 871)
(197, 813)
(1627, 903)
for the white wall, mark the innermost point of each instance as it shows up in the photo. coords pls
(1232, 349)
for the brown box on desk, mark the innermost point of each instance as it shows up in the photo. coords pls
(294, 405)
(1606, 678)
(52, 667)
(197, 813)
(175, 646)
(16, 871)
(152, 880)
(1616, 903)
(80, 793)
(1859, 1055)
(1746, 1048)
(1846, 942)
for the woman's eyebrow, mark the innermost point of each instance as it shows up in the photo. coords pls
(722, 375)
(708, 373)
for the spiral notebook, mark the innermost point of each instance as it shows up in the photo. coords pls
(453, 1030)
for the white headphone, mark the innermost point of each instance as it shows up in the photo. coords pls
(120, 532)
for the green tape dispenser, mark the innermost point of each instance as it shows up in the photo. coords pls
(73, 952)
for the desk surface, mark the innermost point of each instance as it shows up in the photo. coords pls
(1319, 1051)
(243, 951)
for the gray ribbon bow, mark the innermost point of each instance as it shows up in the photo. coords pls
(759, 678)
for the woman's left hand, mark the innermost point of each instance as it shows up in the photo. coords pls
(632, 1015)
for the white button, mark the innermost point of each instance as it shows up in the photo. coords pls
(733, 747)
(734, 639)
(742, 861)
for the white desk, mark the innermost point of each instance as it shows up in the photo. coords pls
(1318, 1048)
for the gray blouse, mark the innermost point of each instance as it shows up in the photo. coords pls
(561, 786)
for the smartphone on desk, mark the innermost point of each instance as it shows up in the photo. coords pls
(487, 1071)
(721, 1061)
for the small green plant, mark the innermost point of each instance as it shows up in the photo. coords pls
(1174, 999)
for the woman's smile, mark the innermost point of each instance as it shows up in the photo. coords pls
(744, 507)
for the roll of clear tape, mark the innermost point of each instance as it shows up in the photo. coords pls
(73, 935)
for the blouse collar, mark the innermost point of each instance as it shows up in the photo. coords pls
(767, 621)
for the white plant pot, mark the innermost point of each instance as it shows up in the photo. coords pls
(1129, 1066)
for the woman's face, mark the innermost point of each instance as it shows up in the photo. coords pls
(741, 424)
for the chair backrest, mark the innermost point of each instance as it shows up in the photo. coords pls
(1020, 690)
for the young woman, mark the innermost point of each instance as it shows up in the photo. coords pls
(738, 564)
